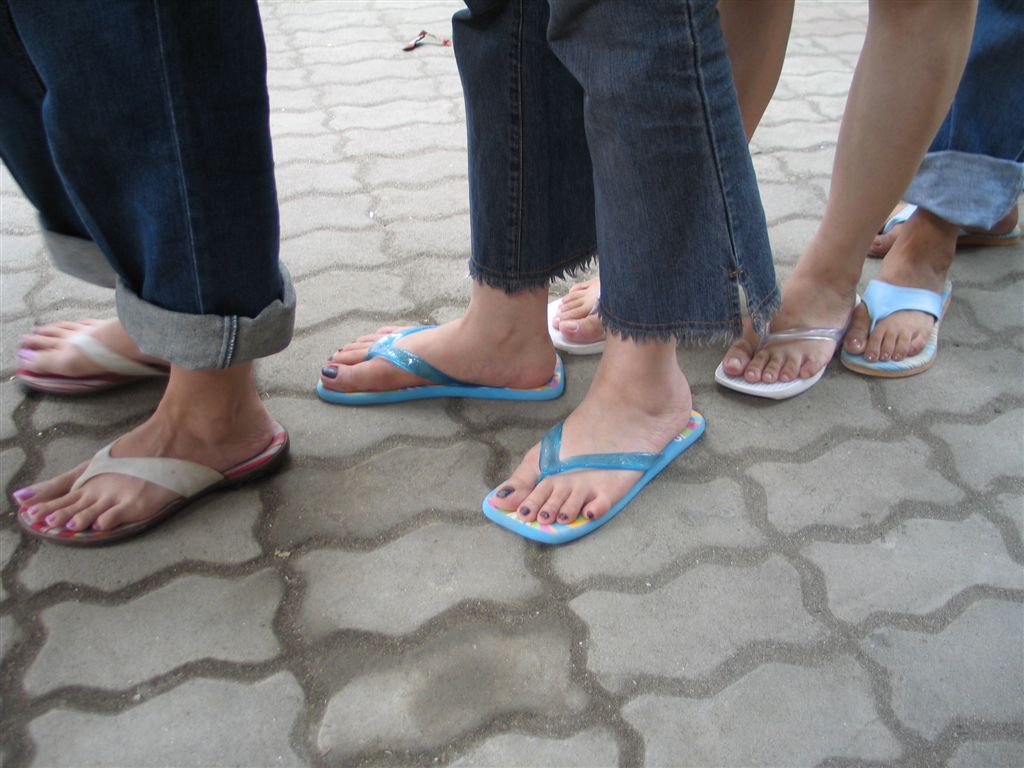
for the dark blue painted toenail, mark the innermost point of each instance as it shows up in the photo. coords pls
(590, 515)
(330, 371)
(544, 515)
(524, 512)
(505, 492)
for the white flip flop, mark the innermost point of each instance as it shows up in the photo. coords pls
(562, 343)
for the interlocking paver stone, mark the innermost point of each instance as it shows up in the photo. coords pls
(457, 682)
(347, 589)
(199, 723)
(10, 633)
(14, 287)
(970, 670)
(825, 490)
(371, 293)
(981, 375)
(99, 410)
(99, 645)
(8, 543)
(371, 497)
(11, 460)
(674, 520)
(715, 612)
(915, 569)
(777, 715)
(319, 252)
(991, 754)
(215, 530)
(989, 451)
(585, 750)
(330, 178)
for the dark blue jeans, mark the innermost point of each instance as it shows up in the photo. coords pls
(974, 170)
(142, 129)
(611, 127)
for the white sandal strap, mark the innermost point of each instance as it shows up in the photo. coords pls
(185, 478)
(108, 359)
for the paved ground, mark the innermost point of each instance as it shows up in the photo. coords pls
(836, 579)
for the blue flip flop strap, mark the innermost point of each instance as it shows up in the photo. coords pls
(898, 218)
(550, 464)
(882, 299)
(410, 361)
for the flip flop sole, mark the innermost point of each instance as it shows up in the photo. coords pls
(550, 391)
(778, 390)
(53, 384)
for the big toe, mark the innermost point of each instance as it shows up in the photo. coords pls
(738, 357)
(857, 333)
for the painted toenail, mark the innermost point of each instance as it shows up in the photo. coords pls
(330, 371)
(544, 515)
(51, 519)
(23, 494)
(524, 512)
(70, 524)
(590, 515)
(505, 492)
(563, 518)
(32, 511)
(26, 354)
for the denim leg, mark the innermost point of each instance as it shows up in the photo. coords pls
(679, 218)
(26, 154)
(530, 176)
(974, 170)
(156, 118)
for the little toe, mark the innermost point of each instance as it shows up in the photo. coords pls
(595, 508)
(113, 517)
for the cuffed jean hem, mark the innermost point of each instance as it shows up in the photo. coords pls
(79, 258)
(516, 284)
(966, 189)
(207, 341)
(695, 332)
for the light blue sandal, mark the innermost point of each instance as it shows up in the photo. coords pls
(963, 238)
(882, 299)
(550, 464)
(442, 385)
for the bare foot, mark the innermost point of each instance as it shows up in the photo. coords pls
(502, 341)
(639, 401)
(882, 243)
(48, 351)
(188, 424)
(576, 318)
(808, 301)
(921, 257)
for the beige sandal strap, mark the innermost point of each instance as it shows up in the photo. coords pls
(108, 359)
(185, 478)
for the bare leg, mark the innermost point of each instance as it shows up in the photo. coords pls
(927, 44)
(213, 417)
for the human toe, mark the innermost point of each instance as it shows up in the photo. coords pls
(538, 499)
(585, 331)
(753, 371)
(738, 357)
(882, 244)
(857, 333)
(772, 366)
(595, 508)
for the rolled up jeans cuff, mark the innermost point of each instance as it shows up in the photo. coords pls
(79, 258)
(967, 189)
(207, 341)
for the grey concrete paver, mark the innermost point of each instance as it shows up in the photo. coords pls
(345, 589)
(971, 670)
(99, 645)
(916, 569)
(825, 491)
(585, 750)
(688, 627)
(200, 723)
(676, 520)
(453, 685)
(996, 754)
(832, 577)
(986, 452)
(777, 715)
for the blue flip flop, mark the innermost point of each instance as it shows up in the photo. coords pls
(442, 385)
(963, 238)
(882, 299)
(550, 464)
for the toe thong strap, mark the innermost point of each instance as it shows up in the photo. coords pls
(803, 334)
(410, 361)
(905, 213)
(882, 299)
(550, 464)
(110, 360)
(185, 478)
